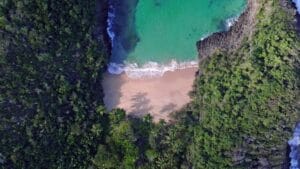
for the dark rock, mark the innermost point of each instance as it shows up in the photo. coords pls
(231, 39)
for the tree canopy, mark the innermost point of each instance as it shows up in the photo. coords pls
(53, 54)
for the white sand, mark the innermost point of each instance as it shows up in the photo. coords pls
(157, 96)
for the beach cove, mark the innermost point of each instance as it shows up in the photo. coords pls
(155, 75)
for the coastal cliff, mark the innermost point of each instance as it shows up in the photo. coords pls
(229, 43)
(291, 8)
(244, 27)
(231, 39)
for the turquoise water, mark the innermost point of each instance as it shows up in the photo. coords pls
(162, 31)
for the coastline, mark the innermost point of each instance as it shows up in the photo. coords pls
(137, 102)
(158, 96)
(135, 70)
(291, 151)
(231, 39)
(164, 94)
(150, 69)
(154, 69)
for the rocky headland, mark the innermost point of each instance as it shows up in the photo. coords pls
(231, 39)
(244, 27)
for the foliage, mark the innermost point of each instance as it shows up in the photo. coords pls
(120, 148)
(52, 55)
(246, 100)
(50, 91)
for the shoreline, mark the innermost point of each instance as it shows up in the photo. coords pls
(231, 39)
(158, 96)
(150, 69)
(155, 69)
(163, 95)
(290, 152)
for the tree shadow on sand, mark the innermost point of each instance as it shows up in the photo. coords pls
(141, 104)
(112, 90)
(168, 108)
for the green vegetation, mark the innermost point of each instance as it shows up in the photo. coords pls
(246, 100)
(51, 96)
(52, 116)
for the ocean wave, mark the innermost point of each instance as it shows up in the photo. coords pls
(150, 69)
(297, 2)
(110, 23)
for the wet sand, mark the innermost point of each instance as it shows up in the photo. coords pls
(158, 96)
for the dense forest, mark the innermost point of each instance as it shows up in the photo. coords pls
(51, 99)
(52, 55)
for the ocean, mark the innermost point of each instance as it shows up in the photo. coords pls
(150, 37)
(297, 3)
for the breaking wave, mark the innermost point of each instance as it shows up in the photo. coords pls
(118, 63)
(133, 70)
(150, 69)
(110, 22)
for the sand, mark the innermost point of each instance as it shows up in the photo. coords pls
(158, 96)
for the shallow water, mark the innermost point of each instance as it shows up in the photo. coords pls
(152, 33)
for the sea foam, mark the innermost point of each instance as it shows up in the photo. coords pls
(133, 70)
(110, 22)
(150, 69)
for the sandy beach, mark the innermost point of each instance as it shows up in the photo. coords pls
(158, 96)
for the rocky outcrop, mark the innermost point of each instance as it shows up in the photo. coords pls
(231, 39)
(288, 6)
(291, 9)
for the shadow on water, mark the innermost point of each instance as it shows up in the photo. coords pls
(125, 40)
(141, 104)
(101, 21)
(123, 26)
